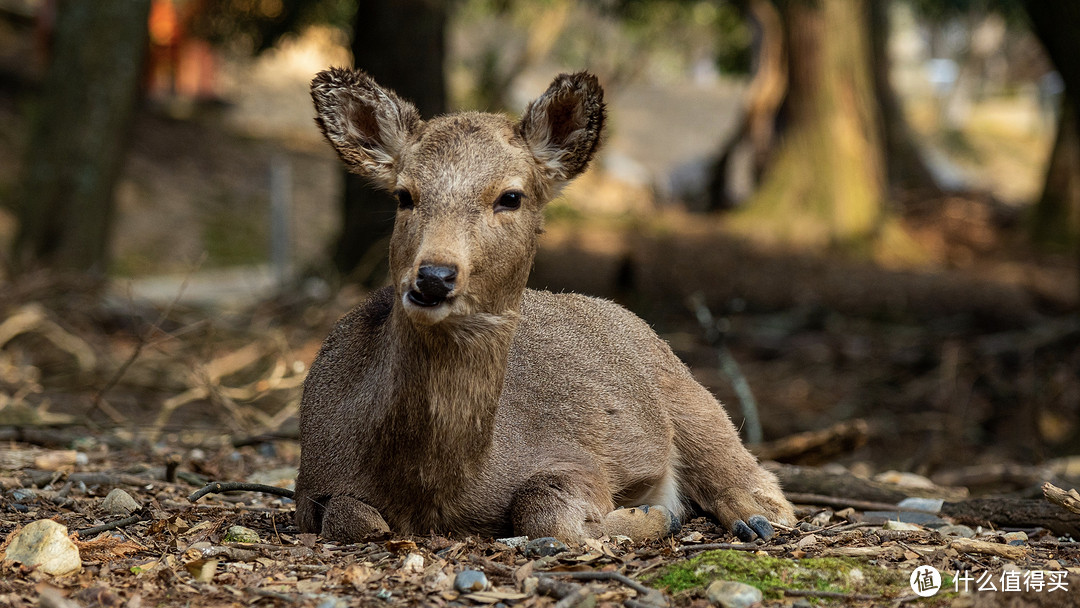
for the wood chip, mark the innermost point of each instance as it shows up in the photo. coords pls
(970, 545)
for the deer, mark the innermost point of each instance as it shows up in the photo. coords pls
(457, 401)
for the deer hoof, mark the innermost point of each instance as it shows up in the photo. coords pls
(640, 523)
(755, 525)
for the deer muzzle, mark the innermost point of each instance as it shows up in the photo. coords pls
(433, 285)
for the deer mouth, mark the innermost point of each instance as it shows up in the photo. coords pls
(429, 300)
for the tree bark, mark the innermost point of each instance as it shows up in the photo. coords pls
(402, 46)
(1056, 215)
(77, 135)
(826, 182)
(904, 165)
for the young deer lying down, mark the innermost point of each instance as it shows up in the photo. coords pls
(456, 400)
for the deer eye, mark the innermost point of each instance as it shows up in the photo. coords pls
(404, 199)
(508, 201)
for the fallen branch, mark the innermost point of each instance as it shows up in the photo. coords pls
(219, 487)
(843, 503)
(970, 545)
(859, 597)
(730, 547)
(142, 515)
(1069, 500)
(815, 447)
(648, 593)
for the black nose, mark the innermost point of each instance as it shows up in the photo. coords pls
(433, 284)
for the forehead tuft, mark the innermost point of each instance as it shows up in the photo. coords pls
(469, 133)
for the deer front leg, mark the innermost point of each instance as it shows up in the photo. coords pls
(568, 505)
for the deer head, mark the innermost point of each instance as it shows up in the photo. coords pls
(471, 187)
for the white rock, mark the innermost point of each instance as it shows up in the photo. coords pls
(730, 594)
(899, 525)
(414, 562)
(119, 502)
(45, 544)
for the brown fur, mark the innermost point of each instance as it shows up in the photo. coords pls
(501, 410)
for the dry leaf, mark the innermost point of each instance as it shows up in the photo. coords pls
(106, 548)
(202, 570)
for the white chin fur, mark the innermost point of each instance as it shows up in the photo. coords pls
(425, 315)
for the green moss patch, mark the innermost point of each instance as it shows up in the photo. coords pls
(771, 574)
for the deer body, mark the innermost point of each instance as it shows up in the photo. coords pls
(456, 400)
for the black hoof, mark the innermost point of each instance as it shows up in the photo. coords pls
(762, 526)
(742, 531)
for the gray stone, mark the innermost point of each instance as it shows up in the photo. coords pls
(956, 530)
(543, 547)
(514, 542)
(730, 594)
(900, 525)
(119, 502)
(45, 544)
(240, 534)
(468, 581)
(923, 504)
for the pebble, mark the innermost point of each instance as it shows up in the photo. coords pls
(956, 530)
(807, 541)
(240, 534)
(730, 594)
(119, 502)
(468, 581)
(543, 547)
(414, 562)
(514, 542)
(900, 525)
(1016, 538)
(45, 544)
(23, 495)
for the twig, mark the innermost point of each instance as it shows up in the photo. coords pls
(861, 597)
(602, 576)
(120, 523)
(285, 597)
(218, 487)
(99, 397)
(730, 367)
(862, 505)
(731, 547)
(1069, 500)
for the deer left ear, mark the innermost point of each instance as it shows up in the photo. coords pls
(562, 127)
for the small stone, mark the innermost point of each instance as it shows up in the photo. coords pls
(1016, 538)
(23, 495)
(240, 534)
(544, 547)
(514, 542)
(45, 544)
(900, 525)
(807, 541)
(730, 594)
(468, 581)
(805, 526)
(956, 530)
(414, 562)
(693, 537)
(119, 502)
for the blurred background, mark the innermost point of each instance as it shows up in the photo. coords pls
(853, 210)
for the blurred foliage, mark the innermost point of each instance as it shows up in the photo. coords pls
(660, 22)
(939, 11)
(257, 25)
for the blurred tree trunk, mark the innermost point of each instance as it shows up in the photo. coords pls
(1056, 216)
(402, 46)
(77, 134)
(1057, 213)
(826, 181)
(904, 166)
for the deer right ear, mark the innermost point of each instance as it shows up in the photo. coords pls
(368, 125)
(562, 127)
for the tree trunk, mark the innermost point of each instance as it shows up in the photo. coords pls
(825, 184)
(402, 46)
(903, 164)
(77, 135)
(1056, 216)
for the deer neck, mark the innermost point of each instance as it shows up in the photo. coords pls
(446, 384)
